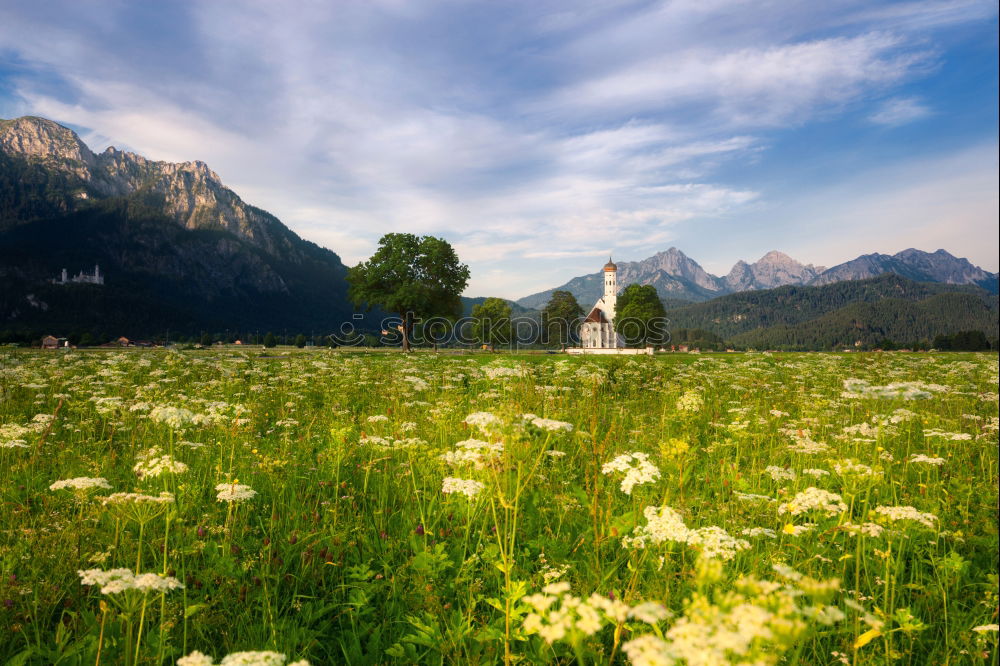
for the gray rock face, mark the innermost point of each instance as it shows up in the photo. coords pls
(943, 267)
(44, 140)
(672, 263)
(939, 266)
(774, 269)
(188, 192)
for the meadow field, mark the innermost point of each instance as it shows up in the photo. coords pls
(226, 506)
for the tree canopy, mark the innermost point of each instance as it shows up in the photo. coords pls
(411, 276)
(491, 322)
(559, 318)
(639, 316)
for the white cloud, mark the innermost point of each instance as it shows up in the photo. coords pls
(900, 111)
(750, 86)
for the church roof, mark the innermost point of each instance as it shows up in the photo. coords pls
(596, 315)
(610, 266)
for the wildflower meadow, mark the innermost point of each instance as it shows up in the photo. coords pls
(334, 507)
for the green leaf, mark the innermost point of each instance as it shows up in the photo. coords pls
(192, 609)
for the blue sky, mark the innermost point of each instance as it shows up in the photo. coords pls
(539, 137)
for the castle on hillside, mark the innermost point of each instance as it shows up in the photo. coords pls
(598, 328)
(81, 277)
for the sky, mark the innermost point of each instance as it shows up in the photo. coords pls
(541, 137)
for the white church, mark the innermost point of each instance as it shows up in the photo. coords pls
(597, 332)
(598, 328)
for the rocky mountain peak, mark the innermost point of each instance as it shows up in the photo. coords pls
(776, 257)
(674, 263)
(41, 139)
(189, 192)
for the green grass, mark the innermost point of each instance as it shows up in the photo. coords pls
(351, 553)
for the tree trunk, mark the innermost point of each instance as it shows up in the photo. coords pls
(407, 325)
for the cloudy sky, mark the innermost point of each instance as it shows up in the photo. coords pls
(538, 137)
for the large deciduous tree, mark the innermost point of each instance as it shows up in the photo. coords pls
(411, 276)
(639, 315)
(560, 318)
(491, 322)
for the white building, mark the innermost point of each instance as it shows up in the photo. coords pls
(81, 277)
(598, 328)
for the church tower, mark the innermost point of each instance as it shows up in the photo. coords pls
(610, 287)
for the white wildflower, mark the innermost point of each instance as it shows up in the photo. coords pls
(715, 543)
(637, 468)
(115, 581)
(196, 659)
(780, 473)
(752, 497)
(928, 460)
(483, 420)
(138, 498)
(648, 650)
(650, 612)
(817, 473)
(80, 483)
(551, 425)
(690, 401)
(662, 524)
(895, 513)
(814, 499)
(850, 468)
(864, 529)
(468, 487)
(234, 492)
(153, 462)
(174, 417)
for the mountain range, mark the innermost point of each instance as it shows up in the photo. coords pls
(179, 249)
(679, 279)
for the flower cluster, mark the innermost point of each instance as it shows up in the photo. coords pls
(468, 487)
(550, 425)
(558, 615)
(234, 492)
(895, 513)
(638, 470)
(485, 421)
(864, 529)
(173, 417)
(753, 623)
(138, 498)
(663, 524)
(690, 401)
(814, 499)
(115, 581)
(472, 452)
(153, 462)
(780, 473)
(259, 658)
(927, 460)
(80, 483)
(850, 468)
